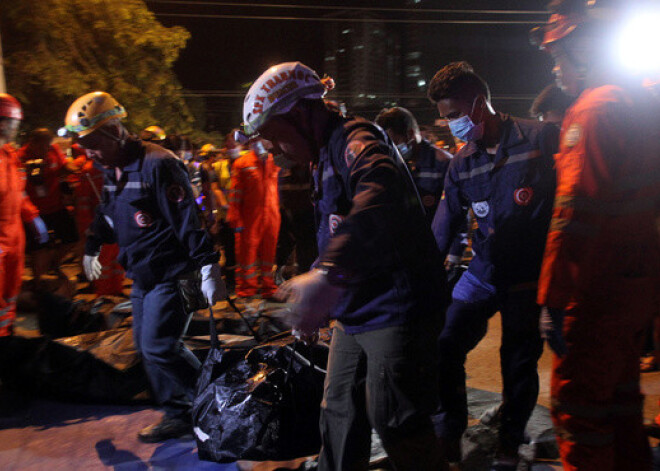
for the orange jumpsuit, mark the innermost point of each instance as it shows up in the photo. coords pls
(88, 190)
(15, 207)
(254, 207)
(602, 267)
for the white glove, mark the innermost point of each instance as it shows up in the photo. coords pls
(213, 286)
(92, 267)
(313, 298)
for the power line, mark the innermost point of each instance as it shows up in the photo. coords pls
(349, 20)
(349, 8)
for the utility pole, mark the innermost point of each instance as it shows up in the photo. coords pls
(3, 84)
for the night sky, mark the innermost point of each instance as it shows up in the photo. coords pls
(223, 54)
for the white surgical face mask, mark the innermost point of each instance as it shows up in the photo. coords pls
(464, 128)
(405, 149)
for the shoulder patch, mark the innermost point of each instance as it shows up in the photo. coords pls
(353, 149)
(523, 196)
(573, 135)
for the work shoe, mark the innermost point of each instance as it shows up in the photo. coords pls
(168, 427)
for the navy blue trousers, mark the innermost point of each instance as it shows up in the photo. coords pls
(466, 324)
(159, 322)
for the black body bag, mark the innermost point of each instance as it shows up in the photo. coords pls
(261, 402)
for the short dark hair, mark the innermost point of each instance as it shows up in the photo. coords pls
(551, 98)
(457, 80)
(398, 119)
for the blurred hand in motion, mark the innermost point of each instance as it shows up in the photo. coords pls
(313, 299)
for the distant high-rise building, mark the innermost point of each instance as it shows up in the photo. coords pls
(364, 60)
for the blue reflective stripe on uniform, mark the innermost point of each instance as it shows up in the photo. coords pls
(570, 226)
(514, 159)
(6, 322)
(429, 174)
(128, 186)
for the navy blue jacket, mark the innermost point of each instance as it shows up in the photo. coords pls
(372, 234)
(151, 213)
(428, 170)
(511, 194)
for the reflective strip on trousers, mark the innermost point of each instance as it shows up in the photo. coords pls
(490, 166)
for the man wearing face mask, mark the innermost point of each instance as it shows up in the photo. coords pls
(509, 183)
(149, 210)
(255, 216)
(428, 164)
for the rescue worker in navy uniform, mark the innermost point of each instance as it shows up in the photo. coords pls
(149, 210)
(377, 274)
(509, 184)
(428, 165)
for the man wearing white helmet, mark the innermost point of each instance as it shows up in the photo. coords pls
(377, 274)
(149, 210)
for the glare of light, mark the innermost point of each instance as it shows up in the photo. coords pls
(421, 83)
(639, 42)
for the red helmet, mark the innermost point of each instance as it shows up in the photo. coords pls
(561, 25)
(10, 107)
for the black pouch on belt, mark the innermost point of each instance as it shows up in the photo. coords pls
(190, 287)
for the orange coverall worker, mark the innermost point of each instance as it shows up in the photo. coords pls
(15, 207)
(88, 192)
(602, 267)
(255, 215)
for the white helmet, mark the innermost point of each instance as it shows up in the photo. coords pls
(277, 90)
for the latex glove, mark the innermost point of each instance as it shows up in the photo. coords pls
(552, 325)
(313, 299)
(213, 286)
(92, 267)
(39, 230)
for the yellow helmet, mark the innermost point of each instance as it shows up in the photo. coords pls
(207, 149)
(153, 133)
(91, 111)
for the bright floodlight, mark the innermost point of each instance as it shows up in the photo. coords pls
(639, 42)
